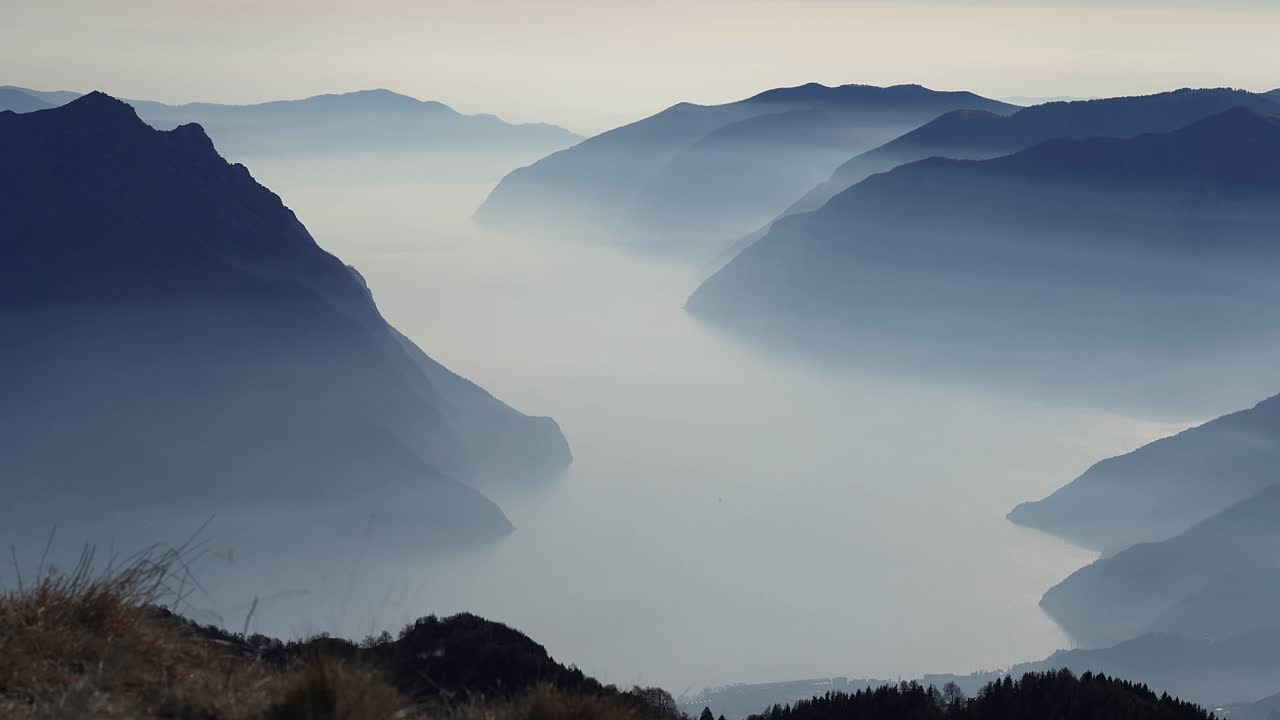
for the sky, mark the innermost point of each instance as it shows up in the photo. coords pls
(594, 64)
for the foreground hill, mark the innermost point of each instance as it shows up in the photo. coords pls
(1125, 261)
(174, 337)
(1162, 489)
(693, 172)
(1218, 579)
(97, 645)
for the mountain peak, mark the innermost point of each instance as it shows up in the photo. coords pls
(101, 106)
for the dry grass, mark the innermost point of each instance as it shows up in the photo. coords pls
(98, 644)
(92, 644)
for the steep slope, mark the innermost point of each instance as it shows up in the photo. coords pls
(691, 171)
(1212, 581)
(174, 336)
(1076, 261)
(1162, 489)
(15, 100)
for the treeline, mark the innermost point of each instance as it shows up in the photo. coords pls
(1057, 695)
(453, 661)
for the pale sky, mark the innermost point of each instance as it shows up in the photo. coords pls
(592, 64)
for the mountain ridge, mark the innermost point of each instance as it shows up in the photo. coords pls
(156, 277)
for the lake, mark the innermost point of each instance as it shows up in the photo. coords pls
(729, 517)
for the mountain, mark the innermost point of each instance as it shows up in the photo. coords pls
(1218, 579)
(403, 136)
(978, 135)
(1130, 261)
(1162, 489)
(15, 100)
(174, 337)
(49, 98)
(687, 176)
(367, 119)
(981, 135)
(1242, 668)
(1265, 709)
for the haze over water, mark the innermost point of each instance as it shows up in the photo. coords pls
(728, 517)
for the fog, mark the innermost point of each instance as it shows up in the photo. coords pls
(726, 518)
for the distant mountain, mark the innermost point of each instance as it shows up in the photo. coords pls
(1073, 262)
(1218, 579)
(1267, 708)
(49, 98)
(367, 119)
(174, 337)
(14, 100)
(1242, 668)
(409, 136)
(967, 135)
(680, 180)
(1162, 489)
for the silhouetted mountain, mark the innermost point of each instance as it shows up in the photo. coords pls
(1081, 261)
(1162, 489)
(15, 100)
(1211, 673)
(1216, 580)
(696, 172)
(174, 337)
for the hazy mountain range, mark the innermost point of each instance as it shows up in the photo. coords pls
(1219, 579)
(1189, 527)
(692, 177)
(977, 135)
(406, 137)
(1125, 262)
(174, 337)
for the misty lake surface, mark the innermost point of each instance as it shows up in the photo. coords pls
(729, 517)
